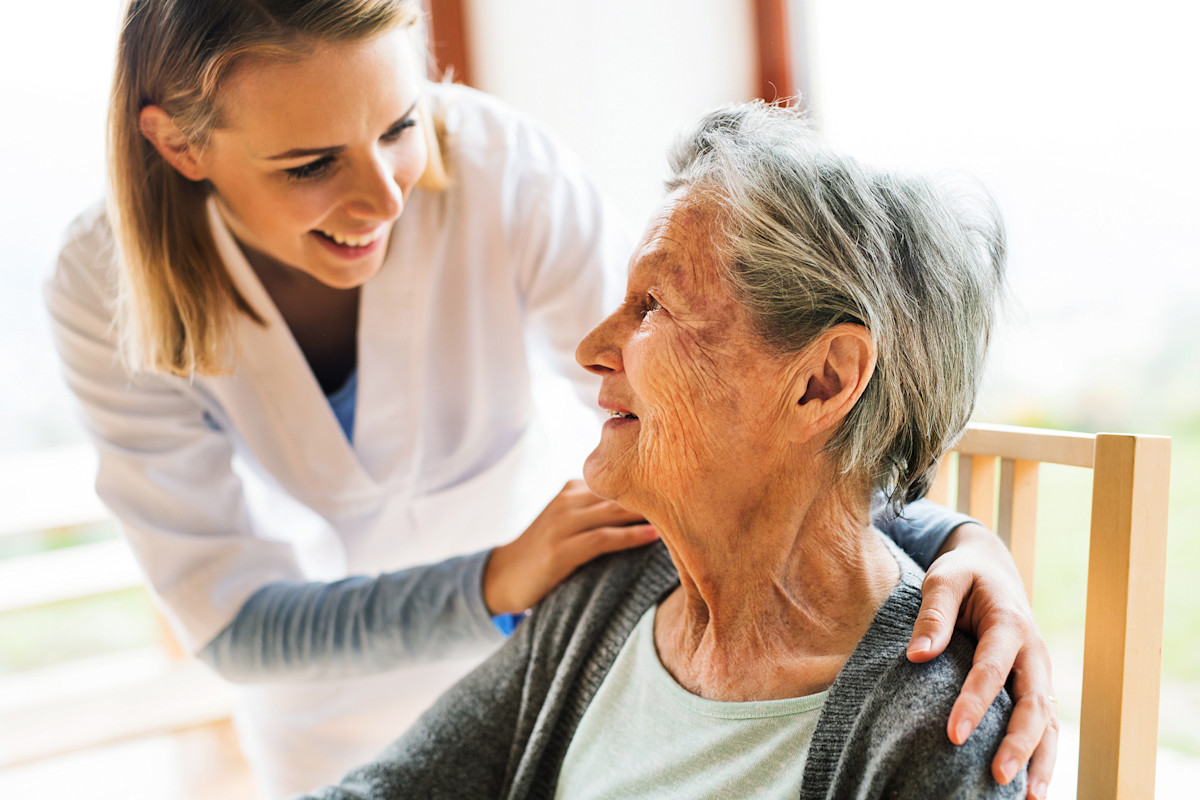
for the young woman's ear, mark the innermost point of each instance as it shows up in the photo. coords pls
(162, 132)
(838, 366)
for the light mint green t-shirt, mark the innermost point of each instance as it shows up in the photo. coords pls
(645, 736)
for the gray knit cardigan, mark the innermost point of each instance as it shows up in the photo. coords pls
(502, 732)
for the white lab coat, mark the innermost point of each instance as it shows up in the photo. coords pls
(224, 484)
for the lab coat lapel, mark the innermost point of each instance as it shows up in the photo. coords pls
(393, 349)
(278, 405)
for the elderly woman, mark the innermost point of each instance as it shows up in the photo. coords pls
(801, 337)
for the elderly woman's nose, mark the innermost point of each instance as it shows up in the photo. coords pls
(599, 351)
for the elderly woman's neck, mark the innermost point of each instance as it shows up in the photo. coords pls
(773, 598)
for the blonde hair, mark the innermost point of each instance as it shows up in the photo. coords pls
(177, 303)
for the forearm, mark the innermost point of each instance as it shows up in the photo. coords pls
(356, 626)
(925, 530)
(972, 534)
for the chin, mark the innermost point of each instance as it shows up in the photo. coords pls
(347, 277)
(597, 477)
(610, 480)
(344, 283)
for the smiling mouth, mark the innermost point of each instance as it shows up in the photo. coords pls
(353, 241)
(621, 415)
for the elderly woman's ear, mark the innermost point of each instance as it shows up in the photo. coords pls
(834, 371)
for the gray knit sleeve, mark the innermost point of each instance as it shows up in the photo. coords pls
(921, 529)
(356, 626)
(461, 747)
(502, 731)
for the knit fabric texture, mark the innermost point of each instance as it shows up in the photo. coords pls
(502, 732)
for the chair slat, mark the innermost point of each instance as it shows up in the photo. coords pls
(1123, 629)
(981, 497)
(1004, 500)
(1126, 565)
(939, 492)
(963, 495)
(1048, 447)
(1016, 518)
(67, 574)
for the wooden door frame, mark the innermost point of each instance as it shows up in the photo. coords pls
(448, 41)
(776, 75)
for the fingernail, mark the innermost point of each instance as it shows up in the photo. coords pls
(1038, 789)
(963, 732)
(1008, 769)
(922, 644)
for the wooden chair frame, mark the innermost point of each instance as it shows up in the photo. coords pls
(1126, 565)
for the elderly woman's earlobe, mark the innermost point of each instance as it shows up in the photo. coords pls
(170, 142)
(837, 366)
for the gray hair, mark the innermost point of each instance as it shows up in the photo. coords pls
(812, 239)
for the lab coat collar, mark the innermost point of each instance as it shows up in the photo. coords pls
(272, 376)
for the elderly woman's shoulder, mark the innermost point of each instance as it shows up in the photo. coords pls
(602, 601)
(637, 576)
(888, 714)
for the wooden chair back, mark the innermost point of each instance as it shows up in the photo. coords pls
(1126, 565)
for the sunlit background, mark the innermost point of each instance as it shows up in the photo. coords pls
(1079, 116)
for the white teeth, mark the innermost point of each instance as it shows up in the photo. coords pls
(356, 241)
(621, 415)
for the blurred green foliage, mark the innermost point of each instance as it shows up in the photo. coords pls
(55, 634)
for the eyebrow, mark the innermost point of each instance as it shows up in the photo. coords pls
(305, 152)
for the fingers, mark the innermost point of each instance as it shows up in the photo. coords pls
(975, 585)
(1032, 734)
(941, 596)
(994, 656)
(576, 509)
(1032, 717)
(602, 515)
(575, 527)
(575, 495)
(598, 541)
(1041, 767)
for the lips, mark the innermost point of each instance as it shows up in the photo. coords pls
(616, 410)
(351, 247)
(354, 240)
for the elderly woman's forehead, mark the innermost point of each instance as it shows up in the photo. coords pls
(680, 237)
(688, 210)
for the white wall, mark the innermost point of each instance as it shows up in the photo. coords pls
(616, 80)
(55, 68)
(1078, 115)
(1081, 118)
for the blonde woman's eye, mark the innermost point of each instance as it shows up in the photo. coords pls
(652, 303)
(397, 130)
(311, 170)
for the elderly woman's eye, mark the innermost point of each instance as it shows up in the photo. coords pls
(652, 303)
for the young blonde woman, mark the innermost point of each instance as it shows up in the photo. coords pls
(298, 335)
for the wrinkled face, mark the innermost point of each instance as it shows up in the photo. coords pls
(316, 156)
(697, 403)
